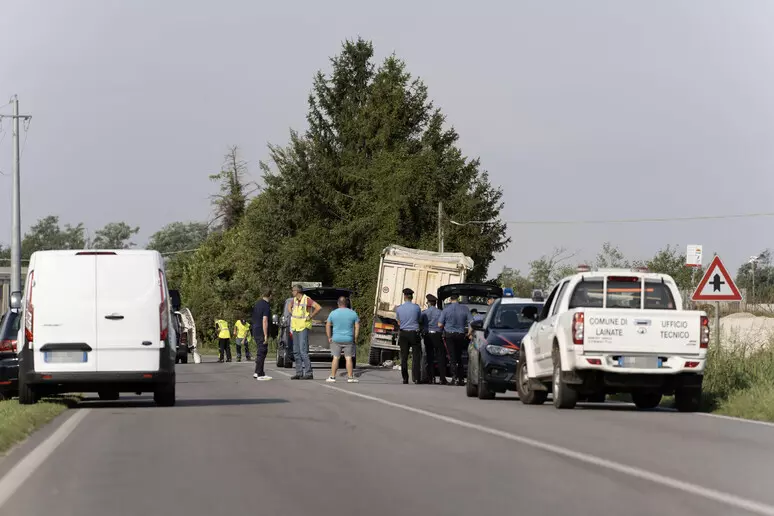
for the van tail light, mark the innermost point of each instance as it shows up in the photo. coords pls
(705, 332)
(29, 311)
(163, 321)
(577, 328)
(7, 345)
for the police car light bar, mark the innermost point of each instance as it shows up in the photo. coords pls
(507, 292)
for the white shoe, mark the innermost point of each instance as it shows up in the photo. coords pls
(263, 378)
(353, 380)
(330, 379)
(255, 375)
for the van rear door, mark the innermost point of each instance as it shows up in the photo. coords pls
(129, 294)
(61, 304)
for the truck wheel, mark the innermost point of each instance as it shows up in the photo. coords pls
(484, 392)
(164, 395)
(565, 397)
(27, 394)
(108, 395)
(471, 389)
(646, 399)
(374, 354)
(687, 399)
(526, 394)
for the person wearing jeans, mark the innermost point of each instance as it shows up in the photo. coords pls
(300, 324)
(260, 331)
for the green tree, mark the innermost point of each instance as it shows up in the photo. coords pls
(179, 236)
(230, 203)
(764, 277)
(46, 234)
(550, 268)
(512, 278)
(115, 235)
(367, 173)
(669, 260)
(610, 257)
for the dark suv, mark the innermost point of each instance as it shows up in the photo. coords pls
(9, 361)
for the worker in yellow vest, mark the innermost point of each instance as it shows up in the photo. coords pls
(224, 340)
(242, 329)
(300, 324)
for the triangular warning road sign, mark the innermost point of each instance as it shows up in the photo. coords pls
(716, 285)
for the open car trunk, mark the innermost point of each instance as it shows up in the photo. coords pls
(472, 294)
(327, 298)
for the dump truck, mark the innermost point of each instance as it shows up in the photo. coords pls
(421, 271)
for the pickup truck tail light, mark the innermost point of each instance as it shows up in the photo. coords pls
(577, 328)
(705, 332)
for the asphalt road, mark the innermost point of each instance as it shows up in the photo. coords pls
(236, 446)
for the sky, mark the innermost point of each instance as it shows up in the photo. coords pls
(579, 110)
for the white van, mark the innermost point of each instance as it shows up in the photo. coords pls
(97, 321)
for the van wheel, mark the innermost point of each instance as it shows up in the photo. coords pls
(164, 395)
(27, 394)
(527, 395)
(565, 397)
(108, 395)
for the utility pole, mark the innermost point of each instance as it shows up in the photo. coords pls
(16, 202)
(440, 227)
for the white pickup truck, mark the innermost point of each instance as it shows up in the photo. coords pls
(614, 331)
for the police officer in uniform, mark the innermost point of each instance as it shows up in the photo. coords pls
(408, 315)
(433, 342)
(454, 320)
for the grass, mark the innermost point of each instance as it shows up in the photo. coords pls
(19, 421)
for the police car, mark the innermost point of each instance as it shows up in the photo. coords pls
(494, 349)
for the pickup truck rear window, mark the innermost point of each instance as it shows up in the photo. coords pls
(622, 293)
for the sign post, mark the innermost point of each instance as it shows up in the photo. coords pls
(716, 285)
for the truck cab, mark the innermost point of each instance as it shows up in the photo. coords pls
(612, 331)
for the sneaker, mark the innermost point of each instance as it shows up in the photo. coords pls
(352, 380)
(330, 379)
(264, 378)
(255, 375)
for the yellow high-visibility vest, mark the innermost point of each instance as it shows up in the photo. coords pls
(241, 329)
(223, 332)
(298, 315)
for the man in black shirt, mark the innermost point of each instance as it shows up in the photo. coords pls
(260, 327)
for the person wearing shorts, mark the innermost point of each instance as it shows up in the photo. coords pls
(342, 328)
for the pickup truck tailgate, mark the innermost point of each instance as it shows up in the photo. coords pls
(668, 332)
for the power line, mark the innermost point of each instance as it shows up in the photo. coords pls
(617, 221)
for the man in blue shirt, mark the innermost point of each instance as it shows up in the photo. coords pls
(408, 315)
(342, 328)
(433, 342)
(455, 320)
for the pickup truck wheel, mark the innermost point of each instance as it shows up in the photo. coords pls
(484, 392)
(526, 394)
(646, 399)
(687, 399)
(471, 389)
(565, 397)
(374, 357)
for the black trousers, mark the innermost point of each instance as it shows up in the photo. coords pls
(457, 343)
(224, 346)
(434, 349)
(262, 349)
(410, 340)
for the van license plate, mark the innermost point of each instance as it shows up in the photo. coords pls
(640, 362)
(65, 357)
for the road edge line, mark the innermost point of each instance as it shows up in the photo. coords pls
(24, 469)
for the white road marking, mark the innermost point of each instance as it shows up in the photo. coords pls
(17, 475)
(737, 419)
(669, 482)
